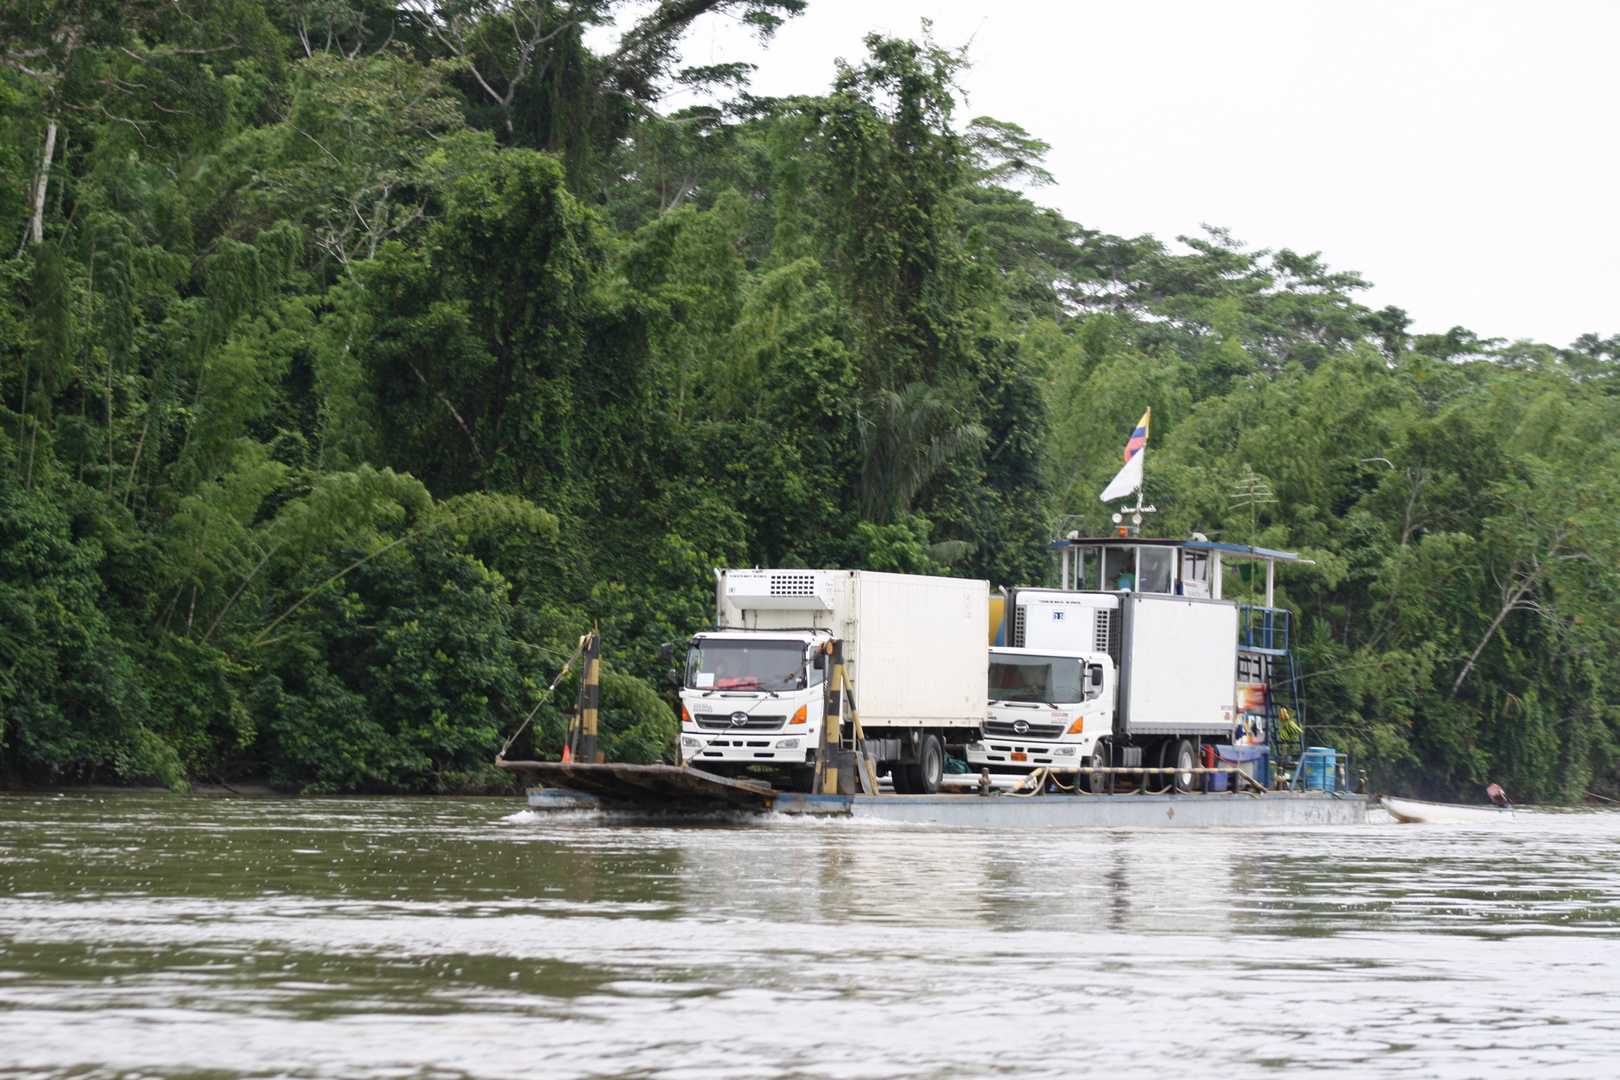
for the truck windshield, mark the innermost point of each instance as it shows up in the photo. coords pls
(1056, 679)
(746, 665)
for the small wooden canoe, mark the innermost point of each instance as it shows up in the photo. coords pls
(1415, 810)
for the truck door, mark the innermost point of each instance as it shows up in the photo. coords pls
(1098, 710)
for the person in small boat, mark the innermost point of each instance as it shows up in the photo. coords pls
(1497, 795)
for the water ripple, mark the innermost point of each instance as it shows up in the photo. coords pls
(148, 937)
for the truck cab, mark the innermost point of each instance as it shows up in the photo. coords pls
(1047, 707)
(750, 699)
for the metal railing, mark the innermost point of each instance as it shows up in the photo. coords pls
(1335, 775)
(1263, 628)
(1338, 781)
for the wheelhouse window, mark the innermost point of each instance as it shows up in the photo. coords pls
(1195, 573)
(1154, 569)
(1088, 568)
(1119, 569)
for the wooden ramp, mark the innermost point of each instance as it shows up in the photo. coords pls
(669, 786)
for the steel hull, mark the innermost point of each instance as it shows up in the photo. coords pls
(682, 789)
(1096, 811)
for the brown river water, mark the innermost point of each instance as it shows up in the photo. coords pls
(162, 936)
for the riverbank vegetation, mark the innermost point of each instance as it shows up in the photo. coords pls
(358, 358)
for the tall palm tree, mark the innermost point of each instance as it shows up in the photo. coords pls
(906, 437)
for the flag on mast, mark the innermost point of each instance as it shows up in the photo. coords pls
(1129, 478)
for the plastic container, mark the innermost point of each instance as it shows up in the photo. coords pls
(1254, 760)
(1318, 765)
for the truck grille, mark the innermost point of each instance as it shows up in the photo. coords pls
(1004, 728)
(722, 722)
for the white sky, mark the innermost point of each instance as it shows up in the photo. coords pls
(1462, 156)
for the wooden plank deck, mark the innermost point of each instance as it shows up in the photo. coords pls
(647, 785)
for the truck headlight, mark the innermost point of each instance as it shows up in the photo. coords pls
(787, 744)
(1064, 751)
(691, 743)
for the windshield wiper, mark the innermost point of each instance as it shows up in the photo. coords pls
(789, 677)
(756, 689)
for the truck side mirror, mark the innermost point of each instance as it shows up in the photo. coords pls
(666, 652)
(673, 676)
(1096, 676)
(819, 661)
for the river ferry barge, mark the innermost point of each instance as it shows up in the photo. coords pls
(1135, 694)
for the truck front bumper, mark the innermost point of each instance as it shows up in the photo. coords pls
(1022, 755)
(748, 748)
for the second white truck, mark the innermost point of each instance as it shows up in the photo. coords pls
(1109, 678)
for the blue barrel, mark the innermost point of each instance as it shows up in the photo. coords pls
(1318, 765)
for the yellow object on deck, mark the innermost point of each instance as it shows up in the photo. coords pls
(997, 608)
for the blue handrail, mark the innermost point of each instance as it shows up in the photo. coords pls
(1263, 628)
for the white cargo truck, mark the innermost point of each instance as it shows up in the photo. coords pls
(914, 648)
(1114, 678)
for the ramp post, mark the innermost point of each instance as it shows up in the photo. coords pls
(832, 754)
(865, 772)
(591, 646)
(832, 736)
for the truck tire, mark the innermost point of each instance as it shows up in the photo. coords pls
(1097, 783)
(1157, 756)
(930, 767)
(900, 777)
(1180, 756)
(803, 779)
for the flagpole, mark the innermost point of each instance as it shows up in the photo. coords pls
(1141, 496)
(1136, 514)
(1133, 468)
(1141, 489)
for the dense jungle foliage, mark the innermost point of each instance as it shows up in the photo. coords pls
(359, 357)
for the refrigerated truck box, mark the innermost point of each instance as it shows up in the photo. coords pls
(1178, 665)
(1176, 655)
(914, 646)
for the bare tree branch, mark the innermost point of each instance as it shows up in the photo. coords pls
(453, 411)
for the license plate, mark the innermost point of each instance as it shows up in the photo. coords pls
(1020, 757)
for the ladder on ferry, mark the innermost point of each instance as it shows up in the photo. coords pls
(1265, 633)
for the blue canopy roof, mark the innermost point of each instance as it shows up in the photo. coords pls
(1239, 550)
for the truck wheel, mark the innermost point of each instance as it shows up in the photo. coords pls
(1156, 756)
(1097, 783)
(1181, 757)
(803, 779)
(930, 767)
(900, 777)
